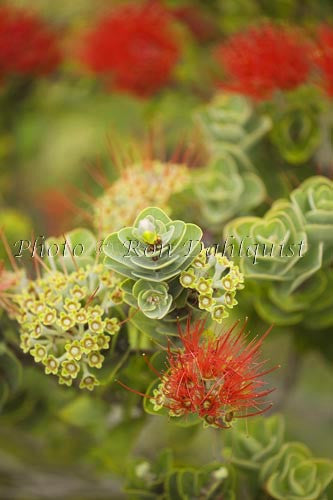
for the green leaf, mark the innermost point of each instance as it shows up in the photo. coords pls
(172, 487)
(132, 255)
(296, 133)
(76, 249)
(230, 127)
(287, 451)
(113, 453)
(250, 447)
(223, 192)
(83, 411)
(10, 368)
(4, 392)
(314, 198)
(188, 483)
(153, 298)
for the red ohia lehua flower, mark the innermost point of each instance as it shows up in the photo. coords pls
(134, 47)
(264, 59)
(27, 45)
(323, 57)
(215, 377)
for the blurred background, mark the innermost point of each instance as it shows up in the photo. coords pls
(77, 104)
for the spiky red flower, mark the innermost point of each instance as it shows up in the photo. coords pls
(134, 47)
(217, 377)
(27, 45)
(323, 56)
(263, 59)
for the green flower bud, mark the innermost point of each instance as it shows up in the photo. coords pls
(158, 399)
(70, 368)
(79, 292)
(219, 313)
(66, 321)
(71, 305)
(81, 316)
(74, 350)
(65, 380)
(117, 296)
(25, 301)
(25, 342)
(204, 286)
(36, 330)
(38, 352)
(21, 318)
(188, 279)
(103, 341)
(216, 281)
(50, 316)
(95, 359)
(51, 365)
(64, 333)
(96, 325)
(88, 382)
(200, 260)
(107, 279)
(228, 283)
(147, 230)
(229, 299)
(206, 302)
(39, 307)
(112, 325)
(88, 343)
(95, 312)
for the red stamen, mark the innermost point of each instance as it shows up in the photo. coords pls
(133, 390)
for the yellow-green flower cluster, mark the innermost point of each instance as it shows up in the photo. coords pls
(67, 321)
(216, 280)
(140, 186)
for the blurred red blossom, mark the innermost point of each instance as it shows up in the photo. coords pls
(56, 208)
(27, 45)
(323, 56)
(263, 59)
(8, 279)
(134, 47)
(217, 377)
